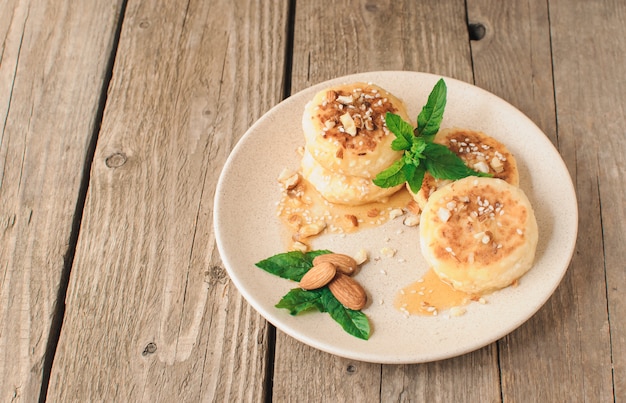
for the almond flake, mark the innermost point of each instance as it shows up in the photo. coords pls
(443, 214)
(348, 124)
(344, 99)
(496, 164)
(481, 166)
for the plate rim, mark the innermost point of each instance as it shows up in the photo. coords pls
(272, 317)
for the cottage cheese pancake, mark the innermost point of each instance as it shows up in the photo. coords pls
(479, 152)
(479, 234)
(345, 131)
(342, 189)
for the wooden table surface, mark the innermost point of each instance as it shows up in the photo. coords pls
(116, 118)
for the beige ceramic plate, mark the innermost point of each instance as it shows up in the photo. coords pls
(248, 230)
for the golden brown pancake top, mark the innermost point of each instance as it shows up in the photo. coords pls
(484, 222)
(365, 105)
(470, 146)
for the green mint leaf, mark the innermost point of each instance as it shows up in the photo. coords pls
(290, 265)
(298, 300)
(415, 183)
(444, 164)
(418, 146)
(430, 117)
(353, 322)
(402, 130)
(408, 171)
(416, 153)
(399, 144)
(391, 176)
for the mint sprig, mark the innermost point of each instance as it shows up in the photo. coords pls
(430, 117)
(298, 300)
(290, 265)
(420, 153)
(294, 265)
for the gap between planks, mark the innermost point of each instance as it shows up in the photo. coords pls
(286, 92)
(59, 310)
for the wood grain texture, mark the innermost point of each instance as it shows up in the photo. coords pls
(514, 61)
(566, 350)
(151, 315)
(472, 377)
(330, 378)
(52, 76)
(589, 82)
(336, 39)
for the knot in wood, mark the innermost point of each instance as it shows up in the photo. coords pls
(216, 274)
(115, 160)
(476, 31)
(371, 7)
(150, 348)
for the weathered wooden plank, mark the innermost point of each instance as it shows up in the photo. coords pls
(472, 377)
(513, 60)
(150, 313)
(333, 39)
(573, 358)
(589, 74)
(53, 63)
(304, 374)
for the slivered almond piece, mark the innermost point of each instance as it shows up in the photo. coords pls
(291, 182)
(348, 292)
(413, 207)
(348, 123)
(285, 174)
(411, 220)
(496, 164)
(352, 220)
(374, 212)
(396, 212)
(302, 247)
(343, 263)
(360, 257)
(318, 276)
(481, 166)
(345, 99)
(358, 121)
(308, 230)
(443, 214)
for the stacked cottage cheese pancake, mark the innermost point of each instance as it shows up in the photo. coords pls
(348, 143)
(479, 151)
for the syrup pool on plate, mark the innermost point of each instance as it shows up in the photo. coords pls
(430, 296)
(306, 213)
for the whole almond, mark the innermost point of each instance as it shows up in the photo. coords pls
(348, 291)
(318, 276)
(344, 263)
